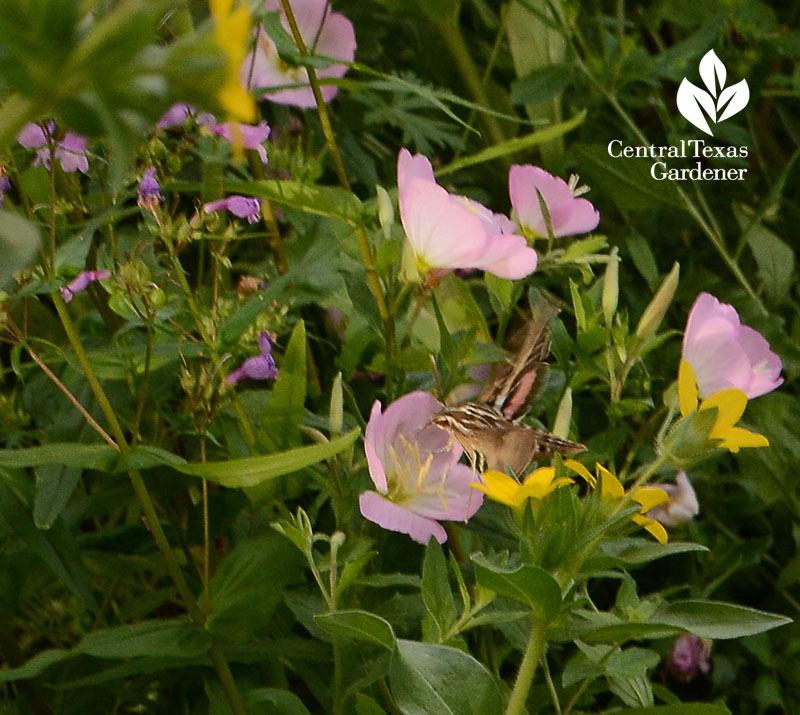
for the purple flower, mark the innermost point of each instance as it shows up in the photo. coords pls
(149, 190)
(414, 466)
(689, 656)
(569, 215)
(250, 136)
(682, 505)
(260, 367)
(5, 185)
(70, 152)
(175, 115)
(324, 33)
(82, 282)
(242, 206)
(724, 353)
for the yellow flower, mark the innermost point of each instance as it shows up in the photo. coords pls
(730, 404)
(612, 489)
(232, 31)
(509, 491)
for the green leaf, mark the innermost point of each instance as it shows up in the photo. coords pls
(166, 638)
(19, 239)
(365, 705)
(284, 412)
(249, 585)
(502, 289)
(361, 625)
(459, 309)
(622, 632)
(330, 201)
(447, 345)
(436, 592)
(68, 454)
(715, 619)
(541, 84)
(56, 546)
(54, 487)
(681, 709)
(146, 457)
(428, 678)
(35, 666)
(517, 144)
(252, 471)
(635, 552)
(272, 701)
(528, 584)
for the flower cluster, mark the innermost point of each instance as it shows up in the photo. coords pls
(69, 152)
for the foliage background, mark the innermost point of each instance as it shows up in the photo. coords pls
(85, 593)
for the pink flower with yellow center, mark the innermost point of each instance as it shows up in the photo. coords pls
(414, 466)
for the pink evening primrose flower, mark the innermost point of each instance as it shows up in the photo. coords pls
(682, 505)
(451, 232)
(569, 215)
(247, 207)
(83, 280)
(414, 466)
(724, 353)
(260, 367)
(70, 152)
(250, 136)
(325, 33)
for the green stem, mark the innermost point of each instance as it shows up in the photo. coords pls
(522, 686)
(338, 165)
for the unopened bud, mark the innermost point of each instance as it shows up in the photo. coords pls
(385, 211)
(655, 311)
(611, 287)
(336, 413)
(563, 415)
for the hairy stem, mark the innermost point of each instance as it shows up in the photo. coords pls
(522, 686)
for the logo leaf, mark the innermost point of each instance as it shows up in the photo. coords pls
(711, 67)
(736, 96)
(690, 100)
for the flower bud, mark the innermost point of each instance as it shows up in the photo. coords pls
(563, 415)
(385, 211)
(655, 311)
(336, 413)
(689, 656)
(611, 287)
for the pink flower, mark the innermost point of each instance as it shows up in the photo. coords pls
(83, 280)
(682, 505)
(242, 206)
(259, 367)
(689, 656)
(325, 33)
(451, 232)
(724, 353)
(250, 136)
(568, 215)
(175, 115)
(414, 466)
(70, 152)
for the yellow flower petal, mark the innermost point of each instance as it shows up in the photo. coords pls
(500, 487)
(540, 483)
(611, 486)
(649, 497)
(734, 438)
(730, 406)
(687, 388)
(653, 527)
(579, 469)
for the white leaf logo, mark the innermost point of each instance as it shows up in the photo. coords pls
(719, 102)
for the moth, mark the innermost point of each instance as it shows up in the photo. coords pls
(489, 429)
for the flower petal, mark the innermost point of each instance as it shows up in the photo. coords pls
(611, 487)
(650, 497)
(394, 517)
(687, 388)
(579, 469)
(499, 487)
(730, 406)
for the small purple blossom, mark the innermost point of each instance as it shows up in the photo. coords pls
(689, 656)
(260, 367)
(5, 185)
(82, 282)
(242, 206)
(682, 506)
(70, 152)
(175, 115)
(149, 190)
(248, 135)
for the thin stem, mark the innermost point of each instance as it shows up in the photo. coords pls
(206, 538)
(338, 165)
(550, 685)
(522, 686)
(74, 400)
(148, 358)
